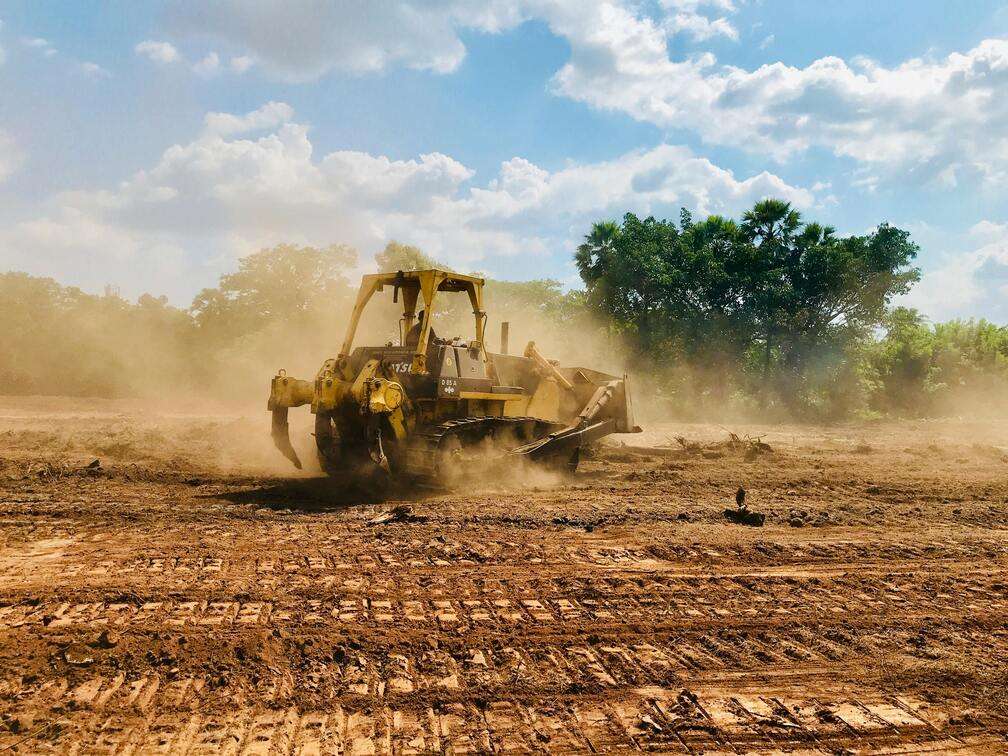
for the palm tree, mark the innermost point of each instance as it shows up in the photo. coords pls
(594, 254)
(772, 221)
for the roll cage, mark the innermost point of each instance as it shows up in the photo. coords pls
(414, 285)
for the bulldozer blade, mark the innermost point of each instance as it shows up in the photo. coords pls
(564, 442)
(281, 436)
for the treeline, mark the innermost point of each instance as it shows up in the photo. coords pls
(919, 368)
(283, 307)
(771, 314)
(767, 314)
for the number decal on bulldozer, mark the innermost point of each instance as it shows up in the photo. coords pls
(449, 386)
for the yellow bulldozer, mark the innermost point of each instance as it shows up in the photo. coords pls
(440, 409)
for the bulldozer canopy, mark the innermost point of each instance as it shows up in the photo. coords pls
(413, 279)
(414, 285)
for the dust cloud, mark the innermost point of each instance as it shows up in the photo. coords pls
(198, 394)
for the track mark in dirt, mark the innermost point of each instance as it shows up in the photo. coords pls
(129, 718)
(657, 599)
(89, 561)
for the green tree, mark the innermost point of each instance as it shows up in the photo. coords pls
(719, 293)
(902, 363)
(60, 340)
(404, 257)
(281, 284)
(598, 264)
(626, 273)
(920, 368)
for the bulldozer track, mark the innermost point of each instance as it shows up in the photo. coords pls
(426, 443)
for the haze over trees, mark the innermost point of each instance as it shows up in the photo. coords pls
(767, 313)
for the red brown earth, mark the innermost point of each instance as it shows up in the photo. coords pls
(190, 594)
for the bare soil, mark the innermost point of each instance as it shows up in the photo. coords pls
(189, 593)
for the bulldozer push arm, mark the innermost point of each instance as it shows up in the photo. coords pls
(608, 411)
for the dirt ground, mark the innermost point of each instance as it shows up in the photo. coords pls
(187, 592)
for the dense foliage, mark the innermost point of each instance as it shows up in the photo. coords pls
(767, 306)
(766, 313)
(921, 368)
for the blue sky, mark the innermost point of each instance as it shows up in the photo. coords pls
(150, 145)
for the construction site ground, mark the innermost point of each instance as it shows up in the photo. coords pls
(169, 585)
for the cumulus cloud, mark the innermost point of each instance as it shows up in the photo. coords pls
(94, 71)
(159, 52)
(694, 6)
(44, 47)
(233, 194)
(208, 65)
(693, 18)
(700, 27)
(971, 283)
(241, 63)
(300, 40)
(940, 121)
(268, 116)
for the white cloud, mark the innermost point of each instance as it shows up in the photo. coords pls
(768, 40)
(973, 283)
(300, 40)
(94, 71)
(936, 120)
(159, 52)
(241, 64)
(700, 27)
(691, 18)
(44, 47)
(693, 6)
(270, 115)
(941, 121)
(40, 44)
(988, 231)
(224, 193)
(208, 66)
